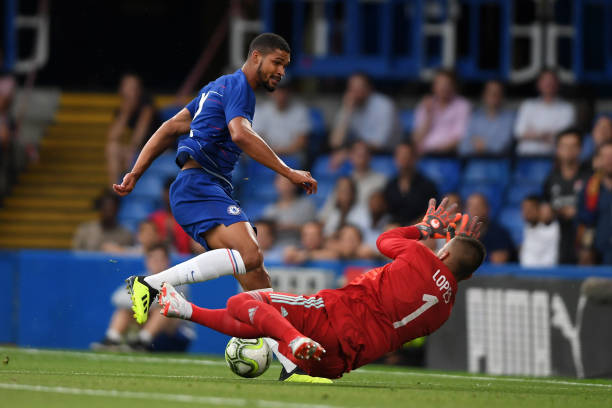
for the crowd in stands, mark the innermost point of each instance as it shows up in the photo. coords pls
(542, 187)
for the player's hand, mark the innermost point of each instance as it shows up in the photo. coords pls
(467, 227)
(304, 180)
(128, 184)
(437, 219)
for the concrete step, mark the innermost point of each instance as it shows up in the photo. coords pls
(54, 229)
(63, 166)
(93, 118)
(62, 204)
(90, 143)
(69, 216)
(65, 179)
(35, 242)
(24, 190)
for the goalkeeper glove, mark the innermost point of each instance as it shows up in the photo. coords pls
(437, 219)
(467, 227)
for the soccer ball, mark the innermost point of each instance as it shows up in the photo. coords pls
(248, 358)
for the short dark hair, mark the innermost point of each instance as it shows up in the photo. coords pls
(159, 245)
(353, 227)
(449, 73)
(107, 194)
(364, 75)
(471, 256)
(549, 70)
(533, 197)
(270, 223)
(268, 42)
(569, 131)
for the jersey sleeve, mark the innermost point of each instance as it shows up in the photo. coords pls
(397, 241)
(192, 106)
(235, 102)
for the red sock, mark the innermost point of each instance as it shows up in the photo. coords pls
(262, 316)
(221, 321)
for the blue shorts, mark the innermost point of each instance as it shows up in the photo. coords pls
(200, 202)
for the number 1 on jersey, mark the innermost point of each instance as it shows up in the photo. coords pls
(429, 300)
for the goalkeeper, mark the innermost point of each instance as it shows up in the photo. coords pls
(337, 330)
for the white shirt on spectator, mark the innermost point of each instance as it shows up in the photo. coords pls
(281, 128)
(357, 216)
(540, 245)
(375, 123)
(537, 116)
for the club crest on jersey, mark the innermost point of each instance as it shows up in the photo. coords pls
(233, 210)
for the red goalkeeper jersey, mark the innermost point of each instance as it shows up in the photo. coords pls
(388, 306)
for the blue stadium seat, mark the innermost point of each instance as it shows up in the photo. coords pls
(512, 218)
(444, 172)
(318, 132)
(407, 120)
(165, 166)
(494, 193)
(254, 209)
(588, 147)
(519, 190)
(260, 189)
(534, 170)
(487, 171)
(384, 164)
(133, 210)
(149, 186)
(325, 189)
(321, 170)
(169, 111)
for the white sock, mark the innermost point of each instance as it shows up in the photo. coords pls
(113, 335)
(207, 266)
(273, 344)
(145, 337)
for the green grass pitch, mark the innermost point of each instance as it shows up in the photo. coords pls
(47, 378)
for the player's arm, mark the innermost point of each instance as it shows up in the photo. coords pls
(162, 139)
(252, 144)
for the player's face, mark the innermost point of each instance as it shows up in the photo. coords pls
(271, 68)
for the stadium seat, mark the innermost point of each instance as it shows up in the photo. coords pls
(444, 172)
(384, 164)
(169, 111)
(321, 169)
(588, 147)
(487, 171)
(534, 170)
(165, 166)
(254, 209)
(494, 193)
(133, 210)
(512, 219)
(519, 190)
(318, 132)
(407, 120)
(325, 189)
(149, 186)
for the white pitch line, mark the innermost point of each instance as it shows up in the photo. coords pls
(117, 357)
(123, 375)
(472, 377)
(221, 401)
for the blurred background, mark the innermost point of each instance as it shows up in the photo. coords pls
(504, 106)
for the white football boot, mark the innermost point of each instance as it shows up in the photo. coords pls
(173, 304)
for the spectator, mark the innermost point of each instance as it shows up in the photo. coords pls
(409, 192)
(541, 234)
(494, 237)
(441, 118)
(312, 246)
(146, 238)
(595, 211)
(489, 129)
(378, 219)
(159, 333)
(455, 198)
(602, 133)
(291, 211)
(349, 244)
(266, 237)
(540, 119)
(136, 113)
(367, 180)
(561, 190)
(170, 232)
(345, 209)
(365, 115)
(284, 123)
(92, 235)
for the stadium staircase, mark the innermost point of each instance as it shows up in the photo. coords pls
(53, 196)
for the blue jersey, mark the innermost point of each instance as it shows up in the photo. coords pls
(209, 141)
